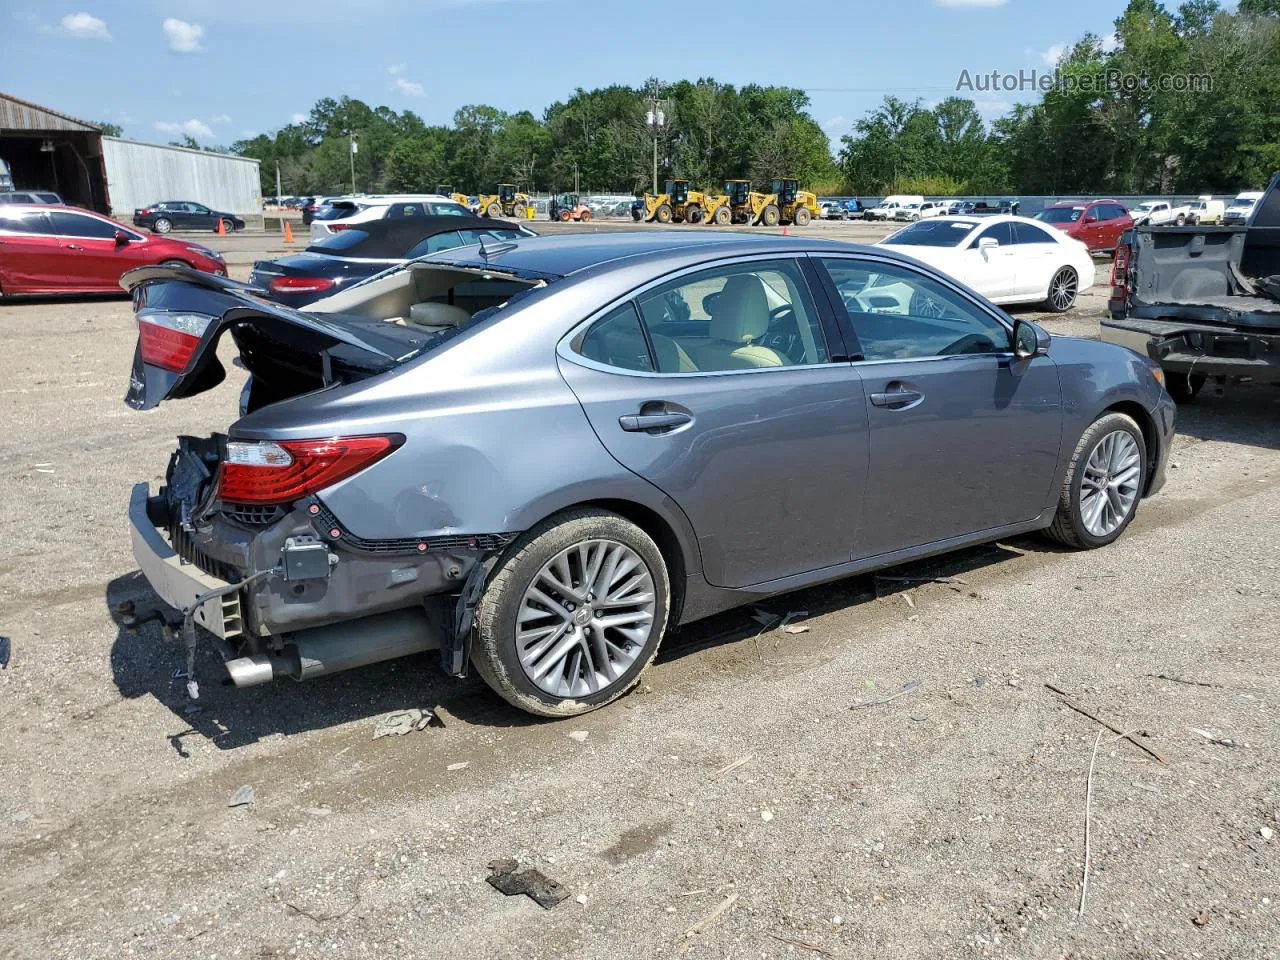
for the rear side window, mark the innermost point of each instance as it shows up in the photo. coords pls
(401, 211)
(618, 340)
(25, 221)
(435, 243)
(336, 211)
(1027, 232)
(78, 225)
(342, 240)
(449, 210)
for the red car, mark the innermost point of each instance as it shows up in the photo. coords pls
(55, 249)
(1097, 224)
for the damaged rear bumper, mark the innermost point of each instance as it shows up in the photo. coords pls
(1214, 351)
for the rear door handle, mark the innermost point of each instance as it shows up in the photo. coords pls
(896, 398)
(74, 246)
(644, 422)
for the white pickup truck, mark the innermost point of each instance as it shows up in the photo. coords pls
(1160, 213)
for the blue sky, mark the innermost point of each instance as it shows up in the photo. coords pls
(225, 69)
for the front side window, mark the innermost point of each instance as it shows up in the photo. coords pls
(901, 314)
(196, 208)
(736, 317)
(78, 225)
(401, 210)
(999, 232)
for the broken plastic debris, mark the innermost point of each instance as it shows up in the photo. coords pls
(579, 735)
(242, 797)
(406, 721)
(458, 766)
(538, 887)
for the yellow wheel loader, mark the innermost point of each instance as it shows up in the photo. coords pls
(504, 203)
(676, 204)
(717, 209)
(794, 205)
(446, 190)
(749, 207)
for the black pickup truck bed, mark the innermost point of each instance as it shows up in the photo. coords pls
(1198, 300)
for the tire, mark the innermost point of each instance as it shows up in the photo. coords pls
(506, 597)
(1063, 290)
(693, 213)
(1069, 525)
(1180, 220)
(228, 226)
(586, 216)
(802, 217)
(664, 213)
(174, 263)
(162, 225)
(723, 217)
(493, 210)
(1183, 387)
(637, 215)
(770, 215)
(565, 216)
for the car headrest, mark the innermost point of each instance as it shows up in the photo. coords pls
(437, 315)
(742, 312)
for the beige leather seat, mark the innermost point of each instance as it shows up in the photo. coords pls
(741, 316)
(431, 314)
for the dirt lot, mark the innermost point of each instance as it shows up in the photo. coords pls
(736, 785)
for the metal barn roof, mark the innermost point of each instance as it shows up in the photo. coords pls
(22, 116)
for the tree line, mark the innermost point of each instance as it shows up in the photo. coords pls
(1131, 137)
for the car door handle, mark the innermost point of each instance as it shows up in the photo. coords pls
(644, 422)
(895, 399)
(74, 246)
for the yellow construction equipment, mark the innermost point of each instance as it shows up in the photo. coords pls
(507, 202)
(794, 205)
(446, 190)
(786, 203)
(676, 204)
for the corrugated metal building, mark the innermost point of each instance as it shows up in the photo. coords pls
(48, 150)
(142, 173)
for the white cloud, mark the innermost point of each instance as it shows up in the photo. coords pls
(410, 88)
(222, 119)
(298, 118)
(248, 134)
(183, 37)
(193, 128)
(395, 68)
(84, 26)
(993, 108)
(970, 3)
(1052, 55)
(836, 124)
(1110, 44)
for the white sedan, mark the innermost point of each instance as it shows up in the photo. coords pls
(1006, 259)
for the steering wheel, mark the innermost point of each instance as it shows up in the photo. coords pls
(784, 336)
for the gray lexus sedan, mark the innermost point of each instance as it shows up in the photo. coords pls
(538, 456)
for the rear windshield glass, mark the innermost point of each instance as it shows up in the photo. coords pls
(336, 211)
(342, 240)
(1060, 214)
(933, 233)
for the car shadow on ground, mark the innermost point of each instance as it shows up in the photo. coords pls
(1245, 413)
(47, 299)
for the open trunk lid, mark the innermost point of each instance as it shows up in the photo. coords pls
(182, 315)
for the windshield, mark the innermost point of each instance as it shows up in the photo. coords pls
(1061, 214)
(932, 233)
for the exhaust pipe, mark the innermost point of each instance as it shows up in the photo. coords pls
(339, 646)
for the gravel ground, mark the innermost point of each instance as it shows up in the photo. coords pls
(737, 784)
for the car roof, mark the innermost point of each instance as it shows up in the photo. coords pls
(391, 238)
(567, 254)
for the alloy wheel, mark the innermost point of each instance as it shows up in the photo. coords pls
(1109, 487)
(585, 618)
(1063, 288)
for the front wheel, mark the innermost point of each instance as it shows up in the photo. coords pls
(664, 213)
(1063, 289)
(722, 217)
(494, 210)
(573, 614)
(802, 216)
(770, 216)
(1103, 484)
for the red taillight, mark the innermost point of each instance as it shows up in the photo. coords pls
(144, 211)
(286, 470)
(300, 284)
(1120, 271)
(169, 340)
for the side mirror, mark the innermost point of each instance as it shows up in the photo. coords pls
(988, 243)
(1090, 218)
(121, 238)
(1029, 340)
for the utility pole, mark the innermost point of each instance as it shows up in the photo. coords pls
(656, 118)
(351, 137)
(577, 190)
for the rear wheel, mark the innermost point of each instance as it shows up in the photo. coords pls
(1103, 484)
(162, 225)
(802, 217)
(1183, 387)
(573, 614)
(664, 213)
(1063, 289)
(770, 216)
(693, 213)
